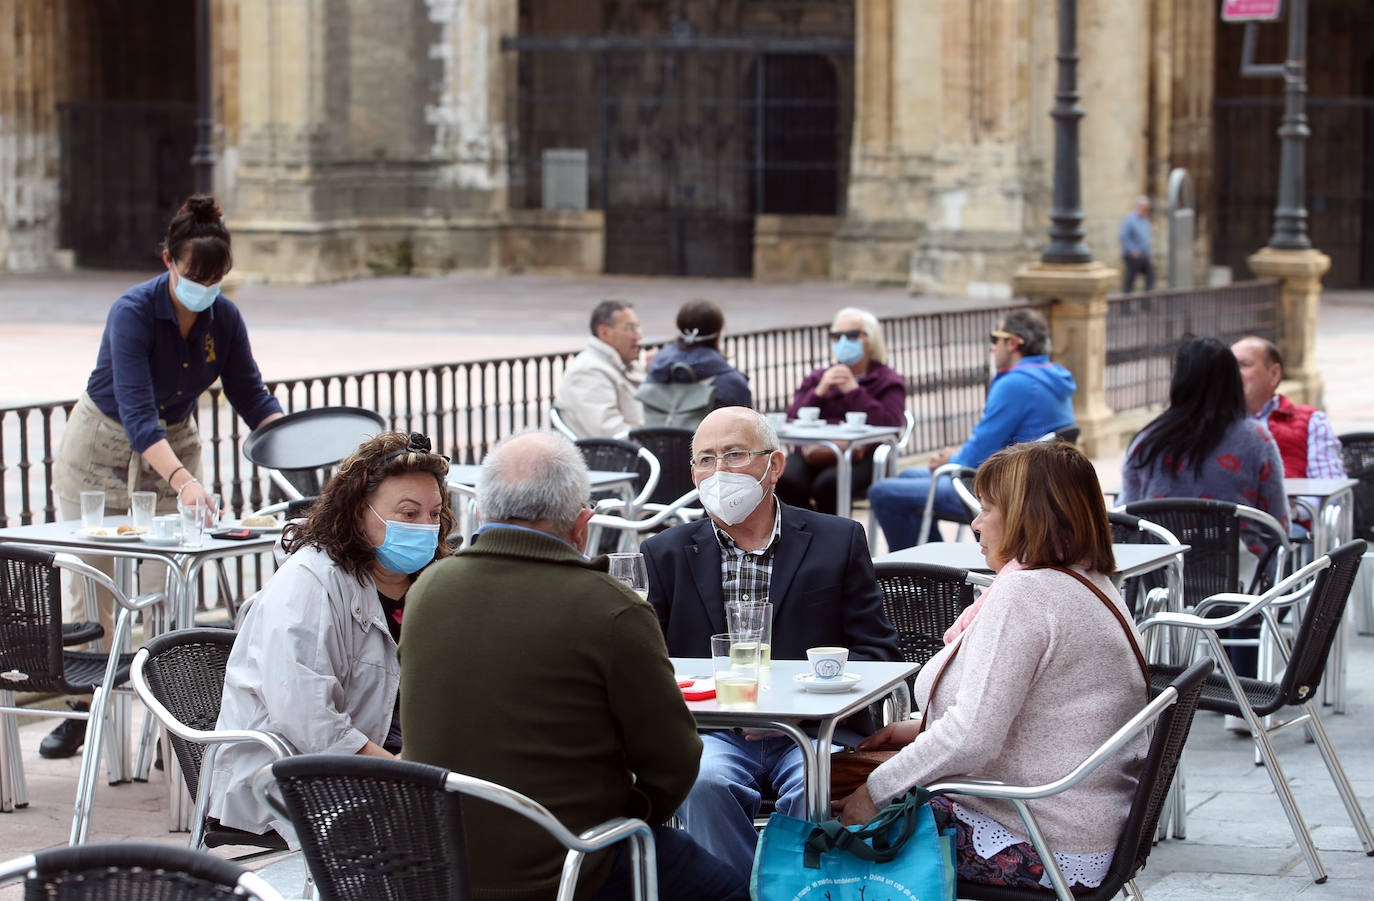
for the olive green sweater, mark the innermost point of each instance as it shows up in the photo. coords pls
(526, 665)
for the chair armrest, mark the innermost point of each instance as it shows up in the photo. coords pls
(77, 566)
(668, 511)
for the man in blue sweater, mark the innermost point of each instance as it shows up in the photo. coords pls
(1028, 398)
(1135, 246)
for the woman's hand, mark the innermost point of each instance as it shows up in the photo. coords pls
(193, 493)
(838, 377)
(892, 737)
(857, 809)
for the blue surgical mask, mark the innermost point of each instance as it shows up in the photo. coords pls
(194, 296)
(408, 546)
(848, 350)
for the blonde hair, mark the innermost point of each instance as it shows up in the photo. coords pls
(877, 347)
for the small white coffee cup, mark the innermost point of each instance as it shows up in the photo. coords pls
(167, 527)
(777, 420)
(827, 663)
(856, 420)
(808, 414)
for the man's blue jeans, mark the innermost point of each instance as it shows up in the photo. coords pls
(719, 812)
(686, 872)
(899, 503)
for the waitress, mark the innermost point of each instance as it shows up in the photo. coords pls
(165, 341)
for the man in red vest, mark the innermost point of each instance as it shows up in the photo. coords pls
(1306, 441)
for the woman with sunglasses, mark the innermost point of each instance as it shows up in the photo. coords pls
(315, 661)
(858, 381)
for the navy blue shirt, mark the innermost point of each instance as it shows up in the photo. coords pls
(146, 371)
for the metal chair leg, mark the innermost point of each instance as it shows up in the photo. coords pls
(1290, 804)
(1343, 787)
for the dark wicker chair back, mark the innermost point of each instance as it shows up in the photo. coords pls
(1211, 529)
(922, 601)
(1325, 608)
(372, 832)
(185, 670)
(133, 871)
(614, 455)
(1156, 775)
(1357, 452)
(673, 448)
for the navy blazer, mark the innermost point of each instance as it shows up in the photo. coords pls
(823, 589)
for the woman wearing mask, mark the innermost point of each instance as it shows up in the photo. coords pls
(165, 341)
(859, 381)
(315, 661)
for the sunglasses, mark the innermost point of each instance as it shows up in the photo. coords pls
(852, 334)
(994, 337)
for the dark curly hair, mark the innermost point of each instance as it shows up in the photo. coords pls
(332, 525)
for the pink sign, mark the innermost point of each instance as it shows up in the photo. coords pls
(1251, 10)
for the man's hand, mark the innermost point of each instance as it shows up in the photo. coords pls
(940, 457)
(892, 737)
(857, 809)
(839, 378)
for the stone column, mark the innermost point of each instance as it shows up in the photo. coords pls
(28, 133)
(1300, 274)
(1078, 329)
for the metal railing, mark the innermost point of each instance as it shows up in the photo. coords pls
(1144, 330)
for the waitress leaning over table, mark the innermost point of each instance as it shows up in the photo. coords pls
(166, 340)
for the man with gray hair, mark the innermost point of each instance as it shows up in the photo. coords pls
(526, 664)
(1029, 397)
(596, 397)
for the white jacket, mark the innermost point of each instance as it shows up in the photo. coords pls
(597, 395)
(314, 663)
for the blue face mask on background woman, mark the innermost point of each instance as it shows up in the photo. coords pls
(848, 350)
(194, 296)
(408, 547)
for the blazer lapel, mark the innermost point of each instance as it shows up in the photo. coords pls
(703, 556)
(792, 545)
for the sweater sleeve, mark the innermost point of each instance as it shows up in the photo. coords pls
(1000, 655)
(1274, 499)
(131, 349)
(662, 747)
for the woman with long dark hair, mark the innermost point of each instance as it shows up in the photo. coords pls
(1203, 445)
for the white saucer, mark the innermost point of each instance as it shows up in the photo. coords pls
(842, 682)
(161, 542)
(807, 424)
(110, 534)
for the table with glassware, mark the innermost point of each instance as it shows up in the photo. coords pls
(784, 705)
(842, 439)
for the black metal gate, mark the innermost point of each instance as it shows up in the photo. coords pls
(684, 139)
(1340, 182)
(126, 167)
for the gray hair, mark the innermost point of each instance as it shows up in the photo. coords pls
(1031, 328)
(548, 481)
(604, 312)
(877, 348)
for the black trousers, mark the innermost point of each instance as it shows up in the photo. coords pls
(1133, 266)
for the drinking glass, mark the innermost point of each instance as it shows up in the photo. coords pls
(630, 569)
(92, 509)
(142, 508)
(736, 666)
(193, 520)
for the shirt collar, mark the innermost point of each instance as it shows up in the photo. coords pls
(489, 526)
(1270, 406)
(727, 543)
(608, 352)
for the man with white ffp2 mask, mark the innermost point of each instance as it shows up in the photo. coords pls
(814, 569)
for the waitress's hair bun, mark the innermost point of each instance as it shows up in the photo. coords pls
(197, 239)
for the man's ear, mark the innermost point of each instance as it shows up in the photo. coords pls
(581, 526)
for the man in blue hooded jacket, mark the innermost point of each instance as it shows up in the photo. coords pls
(1029, 398)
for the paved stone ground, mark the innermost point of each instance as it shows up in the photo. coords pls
(1238, 845)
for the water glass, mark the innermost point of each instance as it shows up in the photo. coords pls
(92, 509)
(193, 520)
(736, 667)
(142, 508)
(630, 569)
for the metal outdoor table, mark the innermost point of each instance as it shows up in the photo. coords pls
(462, 477)
(784, 705)
(1332, 526)
(1131, 559)
(831, 435)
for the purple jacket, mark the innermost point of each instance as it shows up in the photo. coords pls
(881, 394)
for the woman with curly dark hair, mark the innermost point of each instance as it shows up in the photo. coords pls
(315, 661)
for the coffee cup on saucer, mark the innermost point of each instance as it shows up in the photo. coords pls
(856, 420)
(827, 663)
(808, 414)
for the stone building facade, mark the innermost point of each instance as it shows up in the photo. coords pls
(901, 141)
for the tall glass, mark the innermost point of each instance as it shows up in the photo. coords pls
(752, 622)
(630, 569)
(736, 666)
(193, 521)
(92, 509)
(142, 508)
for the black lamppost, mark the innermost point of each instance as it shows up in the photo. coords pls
(203, 152)
(1067, 244)
(1290, 216)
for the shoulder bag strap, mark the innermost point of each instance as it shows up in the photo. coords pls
(1120, 618)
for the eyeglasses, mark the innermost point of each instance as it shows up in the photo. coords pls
(999, 335)
(731, 459)
(853, 334)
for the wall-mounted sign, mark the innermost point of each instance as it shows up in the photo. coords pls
(1251, 10)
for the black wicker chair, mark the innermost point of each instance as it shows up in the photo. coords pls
(1357, 452)
(1253, 699)
(179, 677)
(33, 659)
(133, 871)
(372, 828)
(673, 448)
(1172, 713)
(922, 601)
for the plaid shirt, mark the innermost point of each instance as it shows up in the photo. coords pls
(745, 575)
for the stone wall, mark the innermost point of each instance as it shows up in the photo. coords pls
(29, 157)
